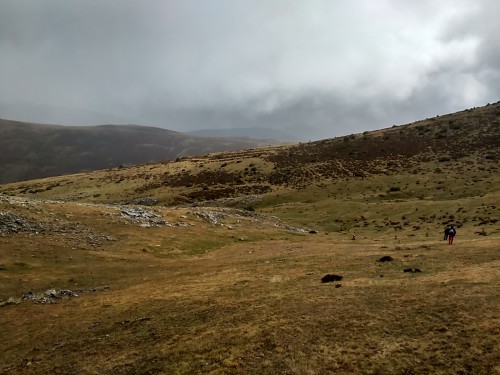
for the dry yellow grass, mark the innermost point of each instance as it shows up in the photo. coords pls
(251, 306)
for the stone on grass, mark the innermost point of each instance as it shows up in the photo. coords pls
(328, 278)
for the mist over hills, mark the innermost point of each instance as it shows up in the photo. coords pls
(247, 132)
(31, 151)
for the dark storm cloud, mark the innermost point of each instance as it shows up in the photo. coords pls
(316, 68)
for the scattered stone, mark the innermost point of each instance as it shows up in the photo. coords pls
(28, 295)
(330, 278)
(12, 223)
(144, 218)
(51, 293)
(67, 293)
(216, 216)
(338, 285)
(10, 301)
(386, 258)
(49, 296)
(313, 231)
(212, 217)
(138, 213)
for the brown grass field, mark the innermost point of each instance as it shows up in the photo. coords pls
(230, 283)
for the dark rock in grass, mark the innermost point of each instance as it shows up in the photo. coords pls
(338, 285)
(386, 258)
(313, 231)
(66, 293)
(49, 296)
(28, 295)
(328, 278)
(412, 270)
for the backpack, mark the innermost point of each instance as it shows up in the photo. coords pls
(452, 232)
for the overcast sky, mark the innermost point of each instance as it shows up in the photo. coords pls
(312, 68)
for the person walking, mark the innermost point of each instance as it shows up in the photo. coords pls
(451, 235)
(446, 232)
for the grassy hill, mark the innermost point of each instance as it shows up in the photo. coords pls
(219, 269)
(31, 151)
(460, 147)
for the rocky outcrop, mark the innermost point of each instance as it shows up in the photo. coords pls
(13, 223)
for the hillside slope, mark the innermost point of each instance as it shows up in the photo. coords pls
(31, 151)
(462, 145)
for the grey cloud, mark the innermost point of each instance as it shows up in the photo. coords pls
(315, 68)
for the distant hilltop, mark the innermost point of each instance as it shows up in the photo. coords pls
(31, 151)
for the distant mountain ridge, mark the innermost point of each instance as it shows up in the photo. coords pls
(31, 151)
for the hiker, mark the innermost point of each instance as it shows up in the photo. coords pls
(446, 232)
(451, 234)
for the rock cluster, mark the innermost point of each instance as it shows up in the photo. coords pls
(13, 223)
(49, 296)
(138, 213)
(213, 217)
(142, 217)
(217, 216)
